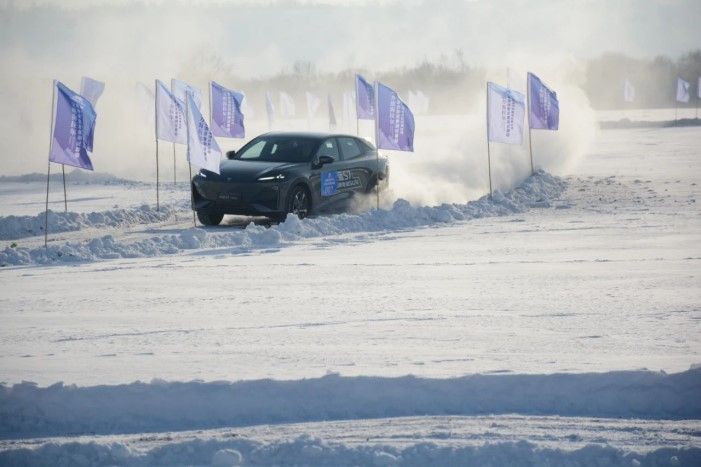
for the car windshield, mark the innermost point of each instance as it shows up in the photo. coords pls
(279, 149)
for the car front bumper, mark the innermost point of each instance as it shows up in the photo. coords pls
(238, 198)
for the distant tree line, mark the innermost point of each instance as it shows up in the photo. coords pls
(454, 87)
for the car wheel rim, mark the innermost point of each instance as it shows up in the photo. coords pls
(299, 204)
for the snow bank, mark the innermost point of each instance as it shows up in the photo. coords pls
(29, 411)
(15, 227)
(306, 450)
(538, 190)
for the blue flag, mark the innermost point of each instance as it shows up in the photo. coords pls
(544, 109)
(364, 99)
(227, 117)
(395, 125)
(74, 122)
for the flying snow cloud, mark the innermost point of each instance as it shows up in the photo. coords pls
(129, 44)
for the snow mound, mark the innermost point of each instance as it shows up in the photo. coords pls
(16, 227)
(29, 411)
(537, 191)
(306, 450)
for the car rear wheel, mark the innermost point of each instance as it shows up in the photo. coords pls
(299, 202)
(210, 218)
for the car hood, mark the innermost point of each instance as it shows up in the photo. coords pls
(250, 171)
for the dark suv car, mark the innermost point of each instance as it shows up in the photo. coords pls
(279, 173)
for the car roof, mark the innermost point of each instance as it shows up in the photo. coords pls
(308, 134)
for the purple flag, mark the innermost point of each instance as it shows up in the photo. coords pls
(365, 99)
(395, 127)
(73, 123)
(227, 118)
(544, 109)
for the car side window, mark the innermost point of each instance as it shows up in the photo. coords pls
(253, 152)
(350, 148)
(328, 148)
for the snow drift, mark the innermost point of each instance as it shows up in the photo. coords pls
(538, 190)
(29, 411)
(306, 450)
(16, 227)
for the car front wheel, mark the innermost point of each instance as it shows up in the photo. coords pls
(209, 218)
(299, 202)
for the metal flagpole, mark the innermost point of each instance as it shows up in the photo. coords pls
(530, 138)
(357, 120)
(156, 127)
(377, 142)
(489, 157)
(65, 198)
(189, 164)
(48, 169)
(175, 181)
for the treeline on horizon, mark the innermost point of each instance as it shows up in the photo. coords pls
(453, 86)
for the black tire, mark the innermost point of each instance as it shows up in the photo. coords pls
(299, 201)
(210, 218)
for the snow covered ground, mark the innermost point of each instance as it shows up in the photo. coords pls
(597, 272)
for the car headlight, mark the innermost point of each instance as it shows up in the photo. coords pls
(272, 178)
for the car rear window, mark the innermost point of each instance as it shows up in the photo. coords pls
(350, 148)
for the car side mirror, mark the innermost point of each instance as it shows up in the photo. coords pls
(323, 160)
(231, 155)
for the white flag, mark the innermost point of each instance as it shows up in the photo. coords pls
(682, 90)
(313, 104)
(202, 149)
(287, 105)
(170, 116)
(269, 109)
(505, 111)
(180, 88)
(91, 89)
(332, 115)
(418, 101)
(628, 92)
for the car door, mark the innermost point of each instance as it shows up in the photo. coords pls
(325, 180)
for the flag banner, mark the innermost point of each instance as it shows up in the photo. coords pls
(419, 102)
(332, 115)
(227, 117)
(628, 92)
(287, 105)
(506, 110)
(269, 109)
(170, 116)
(179, 88)
(365, 99)
(683, 89)
(395, 125)
(73, 120)
(698, 89)
(202, 149)
(91, 89)
(348, 110)
(313, 104)
(544, 109)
